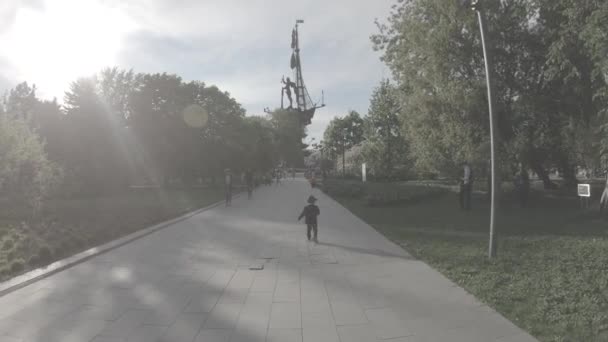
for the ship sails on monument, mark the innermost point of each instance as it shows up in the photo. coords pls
(294, 95)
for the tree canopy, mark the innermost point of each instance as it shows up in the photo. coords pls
(549, 67)
(118, 128)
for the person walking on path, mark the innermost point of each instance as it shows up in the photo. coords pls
(310, 213)
(466, 187)
(249, 182)
(228, 186)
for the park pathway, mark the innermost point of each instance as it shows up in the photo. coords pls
(247, 273)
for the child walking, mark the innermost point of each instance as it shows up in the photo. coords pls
(310, 213)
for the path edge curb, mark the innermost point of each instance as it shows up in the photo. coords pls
(38, 274)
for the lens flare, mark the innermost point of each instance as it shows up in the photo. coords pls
(195, 116)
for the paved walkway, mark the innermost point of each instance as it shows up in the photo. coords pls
(192, 282)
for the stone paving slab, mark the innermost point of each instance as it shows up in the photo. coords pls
(192, 281)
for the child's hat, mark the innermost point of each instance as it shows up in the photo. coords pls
(312, 199)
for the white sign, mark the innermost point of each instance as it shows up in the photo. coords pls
(364, 172)
(584, 190)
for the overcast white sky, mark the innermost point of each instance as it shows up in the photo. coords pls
(241, 46)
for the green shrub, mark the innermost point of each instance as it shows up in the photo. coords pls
(8, 244)
(343, 188)
(79, 242)
(27, 175)
(34, 261)
(45, 255)
(26, 246)
(10, 256)
(64, 248)
(17, 266)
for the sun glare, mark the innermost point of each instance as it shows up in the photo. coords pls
(64, 40)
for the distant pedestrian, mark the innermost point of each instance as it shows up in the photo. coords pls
(310, 213)
(228, 186)
(466, 186)
(277, 174)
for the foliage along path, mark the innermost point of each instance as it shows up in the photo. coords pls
(194, 281)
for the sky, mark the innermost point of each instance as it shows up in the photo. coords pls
(241, 46)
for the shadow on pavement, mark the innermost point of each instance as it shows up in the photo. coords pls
(376, 252)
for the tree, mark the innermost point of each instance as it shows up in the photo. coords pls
(95, 160)
(171, 148)
(383, 131)
(343, 133)
(118, 127)
(49, 122)
(288, 132)
(431, 50)
(548, 82)
(26, 174)
(260, 150)
(21, 100)
(576, 73)
(353, 158)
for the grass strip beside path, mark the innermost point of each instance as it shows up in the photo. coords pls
(551, 275)
(70, 226)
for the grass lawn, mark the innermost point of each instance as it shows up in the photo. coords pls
(69, 226)
(551, 274)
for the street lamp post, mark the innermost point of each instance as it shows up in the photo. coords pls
(476, 6)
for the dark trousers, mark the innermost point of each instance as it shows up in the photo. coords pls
(313, 227)
(465, 196)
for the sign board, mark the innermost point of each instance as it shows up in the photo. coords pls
(584, 190)
(364, 172)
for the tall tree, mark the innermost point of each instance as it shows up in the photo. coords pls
(26, 174)
(576, 75)
(383, 129)
(431, 49)
(95, 155)
(543, 63)
(118, 127)
(343, 133)
(289, 133)
(259, 149)
(21, 100)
